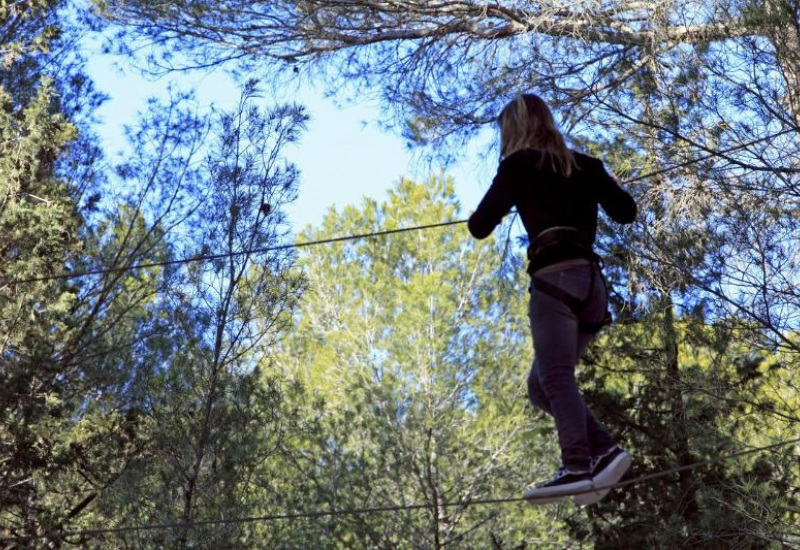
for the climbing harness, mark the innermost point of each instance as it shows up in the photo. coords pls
(571, 238)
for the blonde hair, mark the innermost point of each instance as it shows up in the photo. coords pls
(527, 123)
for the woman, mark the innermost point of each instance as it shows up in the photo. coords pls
(556, 192)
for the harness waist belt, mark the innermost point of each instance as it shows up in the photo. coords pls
(565, 237)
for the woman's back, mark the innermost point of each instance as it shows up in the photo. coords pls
(528, 181)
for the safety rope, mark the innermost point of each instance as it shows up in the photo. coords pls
(391, 508)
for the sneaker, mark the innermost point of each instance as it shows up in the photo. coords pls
(564, 483)
(607, 470)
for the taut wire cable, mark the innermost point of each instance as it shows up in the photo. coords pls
(302, 244)
(392, 508)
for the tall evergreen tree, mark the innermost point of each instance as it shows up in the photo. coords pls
(39, 229)
(45, 163)
(662, 269)
(200, 399)
(419, 357)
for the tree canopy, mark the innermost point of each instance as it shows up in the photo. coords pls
(170, 365)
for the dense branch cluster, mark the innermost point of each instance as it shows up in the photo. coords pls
(293, 30)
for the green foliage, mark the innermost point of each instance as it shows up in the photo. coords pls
(206, 414)
(683, 397)
(38, 237)
(419, 359)
(162, 394)
(28, 28)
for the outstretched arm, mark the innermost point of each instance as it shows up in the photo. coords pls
(616, 202)
(495, 204)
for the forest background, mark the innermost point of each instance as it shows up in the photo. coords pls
(151, 399)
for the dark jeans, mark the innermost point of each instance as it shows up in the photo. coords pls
(558, 343)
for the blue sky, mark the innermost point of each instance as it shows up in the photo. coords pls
(342, 157)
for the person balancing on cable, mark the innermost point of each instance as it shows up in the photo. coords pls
(556, 192)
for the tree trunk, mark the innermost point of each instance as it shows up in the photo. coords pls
(679, 442)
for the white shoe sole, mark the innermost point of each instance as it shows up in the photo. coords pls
(544, 495)
(607, 478)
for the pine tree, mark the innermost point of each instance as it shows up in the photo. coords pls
(39, 231)
(419, 358)
(202, 405)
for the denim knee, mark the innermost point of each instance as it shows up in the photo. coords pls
(535, 393)
(554, 380)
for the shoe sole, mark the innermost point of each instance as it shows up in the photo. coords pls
(551, 494)
(610, 476)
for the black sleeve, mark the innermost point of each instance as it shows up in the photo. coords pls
(496, 203)
(616, 202)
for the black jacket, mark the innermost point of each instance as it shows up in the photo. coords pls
(546, 199)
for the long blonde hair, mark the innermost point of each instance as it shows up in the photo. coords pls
(527, 123)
